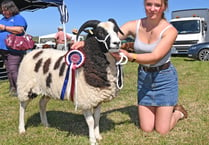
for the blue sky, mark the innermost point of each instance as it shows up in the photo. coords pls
(47, 20)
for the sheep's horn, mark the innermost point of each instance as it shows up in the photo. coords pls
(90, 23)
(116, 25)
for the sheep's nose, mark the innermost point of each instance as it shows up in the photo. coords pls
(117, 43)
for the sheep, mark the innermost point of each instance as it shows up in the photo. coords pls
(42, 72)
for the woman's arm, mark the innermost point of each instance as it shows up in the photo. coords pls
(78, 45)
(159, 52)
(128, 29)
(12, 29)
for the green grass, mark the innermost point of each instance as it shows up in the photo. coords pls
(119, 120)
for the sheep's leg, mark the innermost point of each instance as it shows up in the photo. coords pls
(90, 122)
(96, 126)
(23, 105)
(42, 106)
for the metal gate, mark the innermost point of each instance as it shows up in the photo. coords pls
(3, 72)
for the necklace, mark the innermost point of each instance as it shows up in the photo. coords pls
(149, 30)
(150, 36)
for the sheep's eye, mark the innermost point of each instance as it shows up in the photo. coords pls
(101, 33)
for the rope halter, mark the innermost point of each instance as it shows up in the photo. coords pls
(103, 41)
(123, 60)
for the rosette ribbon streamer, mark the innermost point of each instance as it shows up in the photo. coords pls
(74, 59)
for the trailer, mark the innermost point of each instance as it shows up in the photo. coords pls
(192, 26)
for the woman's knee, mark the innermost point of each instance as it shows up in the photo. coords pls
(162, 131)
(147, 129)
(146, 118)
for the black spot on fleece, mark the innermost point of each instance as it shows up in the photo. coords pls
(95, 67)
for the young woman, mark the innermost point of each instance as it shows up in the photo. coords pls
(12, 22)
(157, 77)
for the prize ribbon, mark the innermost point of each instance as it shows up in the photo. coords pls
(74, 59)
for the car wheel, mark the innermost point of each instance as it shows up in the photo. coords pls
(203, 55)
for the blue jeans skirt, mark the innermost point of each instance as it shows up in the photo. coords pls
(158, 88)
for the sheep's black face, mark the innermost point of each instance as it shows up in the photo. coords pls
(103, 37)
(107, 33)
(101, 34)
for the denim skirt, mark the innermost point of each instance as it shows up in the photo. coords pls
(158, 88)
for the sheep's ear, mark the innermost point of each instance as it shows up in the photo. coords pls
(116, 25)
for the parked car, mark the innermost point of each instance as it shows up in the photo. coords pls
(199, 51)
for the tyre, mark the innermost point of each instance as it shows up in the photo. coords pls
(203, 55)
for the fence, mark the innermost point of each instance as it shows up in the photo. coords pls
(3, 72)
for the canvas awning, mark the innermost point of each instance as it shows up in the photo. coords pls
(52, 35)
(32, 5)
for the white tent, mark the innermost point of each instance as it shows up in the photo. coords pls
(52, 36)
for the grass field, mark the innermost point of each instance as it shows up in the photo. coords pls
(119, 121)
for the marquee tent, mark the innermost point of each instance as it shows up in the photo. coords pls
(51, 36)
(33, 5)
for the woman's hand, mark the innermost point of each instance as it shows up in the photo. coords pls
(2, 27)
(129, 46)
(124, 52)
(78, 45)
(117, 54)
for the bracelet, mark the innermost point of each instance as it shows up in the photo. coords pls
(134, 57)
(5, 28)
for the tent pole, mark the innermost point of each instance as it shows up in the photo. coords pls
(65, 38)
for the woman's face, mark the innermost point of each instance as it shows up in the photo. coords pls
(6, 13)
(154, 8)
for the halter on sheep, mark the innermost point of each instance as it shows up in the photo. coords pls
(41, 72)
(105, 39)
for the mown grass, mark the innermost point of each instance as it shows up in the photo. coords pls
(119, 120)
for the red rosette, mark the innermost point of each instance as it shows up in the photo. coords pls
(75, 57)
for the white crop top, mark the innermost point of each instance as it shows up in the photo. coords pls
(141, 47)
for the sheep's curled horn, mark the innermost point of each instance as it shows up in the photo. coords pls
(94, 23)
(116, 25)
(90, 23)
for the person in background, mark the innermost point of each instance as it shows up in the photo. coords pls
(12, 22)
(60, 39)
(74, 32)
(157, 83)
(73, 37)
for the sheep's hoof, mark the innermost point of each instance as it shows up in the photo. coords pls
(46, 125)
(22, 132)
(99, 137)
(94, 143)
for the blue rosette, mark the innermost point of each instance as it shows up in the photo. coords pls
(74, 59)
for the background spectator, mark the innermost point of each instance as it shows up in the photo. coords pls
(60, 39)
(12, 22)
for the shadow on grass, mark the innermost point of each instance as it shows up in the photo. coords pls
(188, 59)
(75, 123)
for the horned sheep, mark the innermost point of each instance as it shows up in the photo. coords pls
(42, 72)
